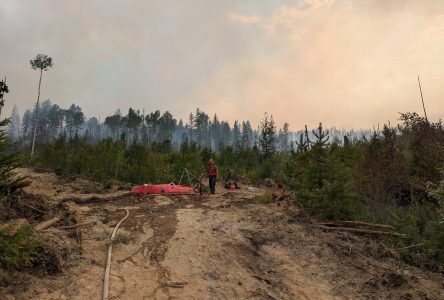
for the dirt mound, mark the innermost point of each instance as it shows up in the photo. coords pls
(59, 252)
(59, 248)
(58, 187)
(24, 205)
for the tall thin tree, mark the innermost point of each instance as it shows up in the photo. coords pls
(41, 62)
(422, 99)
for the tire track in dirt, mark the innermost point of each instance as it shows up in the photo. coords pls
(147, 250)
(163, 222)
(136, 271)
(218, 256)
(261, 266)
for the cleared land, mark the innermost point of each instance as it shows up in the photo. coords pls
(221, 247)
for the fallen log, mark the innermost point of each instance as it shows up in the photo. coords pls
(172, 284)
(46, 224)
(76, 225)
(33, 208)
(357, 223)
(23, 184)
(358, 230)
(410, 247)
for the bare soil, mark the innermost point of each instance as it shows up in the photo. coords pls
(211, 247)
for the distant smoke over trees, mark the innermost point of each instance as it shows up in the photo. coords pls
(157, 127)
(14, 125)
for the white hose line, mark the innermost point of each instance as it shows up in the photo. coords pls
(108, 262)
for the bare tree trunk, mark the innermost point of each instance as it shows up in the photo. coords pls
(116, 171)
(2, 102)
(36, 115)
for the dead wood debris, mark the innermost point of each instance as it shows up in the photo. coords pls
(173, 284)
(359, 230)
(46, 224)
(76, 225)
(282, 195)
(355, 223)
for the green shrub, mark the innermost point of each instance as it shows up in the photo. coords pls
(265, 198)
(323, 184)
(424, 229)
(18, 247)
(435, 241)
(254, 176)
(434, 229)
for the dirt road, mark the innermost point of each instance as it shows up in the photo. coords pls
(219, 247)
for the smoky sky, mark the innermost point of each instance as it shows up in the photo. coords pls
(345, 63)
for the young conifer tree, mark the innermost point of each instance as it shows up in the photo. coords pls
(267, 139)
(8, 162)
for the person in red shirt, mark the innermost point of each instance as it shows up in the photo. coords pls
(212, 175)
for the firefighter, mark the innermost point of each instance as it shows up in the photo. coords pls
(212, 175)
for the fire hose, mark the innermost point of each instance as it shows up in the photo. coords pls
(108, 262)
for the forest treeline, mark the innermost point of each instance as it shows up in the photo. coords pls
(393, 176)
(148, 128)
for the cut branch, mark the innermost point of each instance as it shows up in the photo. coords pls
(76, 225)
(33, 208)
(46, 224)
(358, 230)
(356, 223)
(409, 247)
